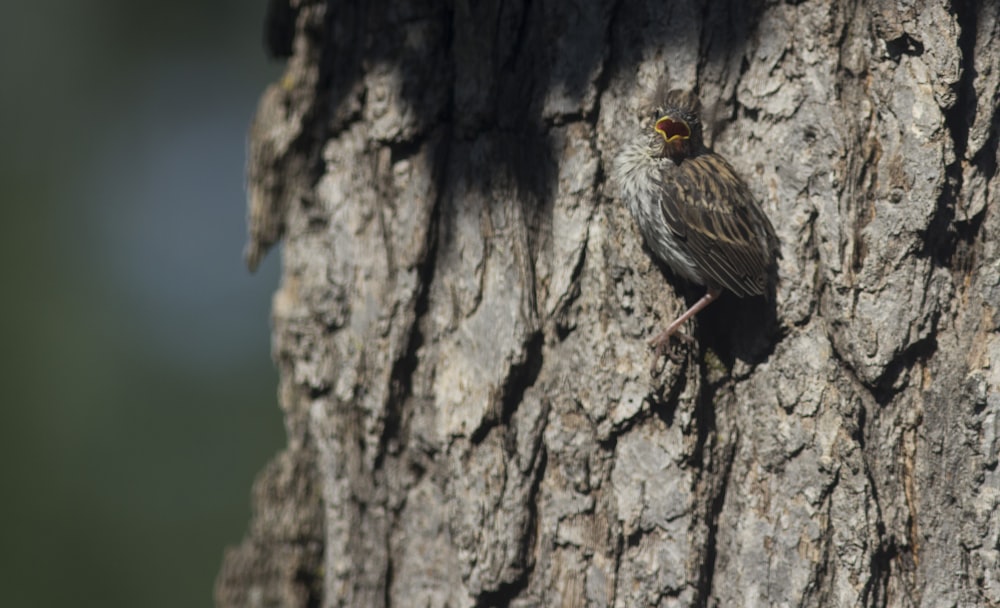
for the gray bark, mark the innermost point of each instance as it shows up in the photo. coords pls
(462, 321)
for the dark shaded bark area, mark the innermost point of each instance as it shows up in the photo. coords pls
(462, 321)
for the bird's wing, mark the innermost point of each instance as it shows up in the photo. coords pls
(711, 211)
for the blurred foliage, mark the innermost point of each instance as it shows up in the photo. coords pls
(138, 396)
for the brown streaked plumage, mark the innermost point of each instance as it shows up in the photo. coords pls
(693, 210)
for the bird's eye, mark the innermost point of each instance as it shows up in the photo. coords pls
(672, 129)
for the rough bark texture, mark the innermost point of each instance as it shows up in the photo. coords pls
(462, 321)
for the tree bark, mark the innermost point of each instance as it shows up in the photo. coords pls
(462, 321)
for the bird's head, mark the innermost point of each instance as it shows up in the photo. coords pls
(676, 127)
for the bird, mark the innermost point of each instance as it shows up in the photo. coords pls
(694, 211)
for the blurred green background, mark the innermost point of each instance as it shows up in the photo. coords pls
(138, 395)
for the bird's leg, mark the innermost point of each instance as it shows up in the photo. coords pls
(661, 341)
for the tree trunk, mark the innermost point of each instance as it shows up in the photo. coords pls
(462, 322)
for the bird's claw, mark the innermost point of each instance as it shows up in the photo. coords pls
(661, 347)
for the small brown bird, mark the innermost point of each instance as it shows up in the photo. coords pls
(695, 213)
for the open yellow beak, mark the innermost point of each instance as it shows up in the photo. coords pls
(672, 130)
